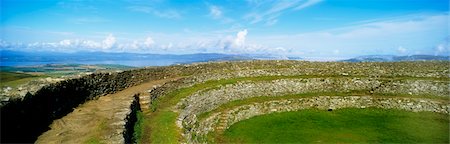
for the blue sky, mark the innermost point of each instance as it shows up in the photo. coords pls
(304, 28)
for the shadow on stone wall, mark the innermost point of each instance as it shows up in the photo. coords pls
(131, 120)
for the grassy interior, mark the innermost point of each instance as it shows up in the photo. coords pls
(350, 125)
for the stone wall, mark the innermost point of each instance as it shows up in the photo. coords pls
(161, 91)
(23, 120)
(222, 120)
(205, 101)
(226, 70)
(130, 120)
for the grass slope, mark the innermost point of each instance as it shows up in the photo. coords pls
(11, 76)
(13, 79)
(349, 125)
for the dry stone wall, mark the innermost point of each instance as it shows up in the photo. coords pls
(226, 70)
(223, 120)
(205, 101)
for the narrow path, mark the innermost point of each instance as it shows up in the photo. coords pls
(96, 121)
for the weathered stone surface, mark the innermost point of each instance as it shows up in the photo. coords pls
(196, 131)
(225, 70)
(205, 101)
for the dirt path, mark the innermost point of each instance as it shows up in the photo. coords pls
(96, 120)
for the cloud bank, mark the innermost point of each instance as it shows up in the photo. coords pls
(231, 44)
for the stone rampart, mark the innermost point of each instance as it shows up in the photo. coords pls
(205, 101)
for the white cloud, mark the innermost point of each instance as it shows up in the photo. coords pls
(4, 44)
(336, 52)
(108, 42)
(65, 43)
(71, 45)
(269, 12)
(240, 38)
(149, 42)
(168, 13)
(238, 45)
(271, 22)
(443, 48)
(90, 44)
(401, 50)
(215, 12)
(308, 3)
(87, 20)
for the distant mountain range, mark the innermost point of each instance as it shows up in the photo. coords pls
(19, 58)
(95, 56)
(14, 58)
(392, 58)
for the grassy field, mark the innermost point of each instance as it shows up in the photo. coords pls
(13, 79)
(349, 125)
(15, 76)
(11, 76)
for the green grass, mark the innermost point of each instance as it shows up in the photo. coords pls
(93, 140)
(138, 127)
(12, 79)
(163, 128)
(100, 128)
(11, 76)
(349, 125)
(160, 125)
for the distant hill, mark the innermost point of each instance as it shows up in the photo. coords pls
(391, 58)
(17, 58)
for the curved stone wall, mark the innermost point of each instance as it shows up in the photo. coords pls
(223, 120)
(226, 70)
(205, 101)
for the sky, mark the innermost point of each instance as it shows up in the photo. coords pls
(330, 29)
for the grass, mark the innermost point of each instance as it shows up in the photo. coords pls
(350, 125)
(95, 137)
(164, 129)
(93, 140)
(11, 76)
(138, 127)
(12, 79)
(159, 125)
